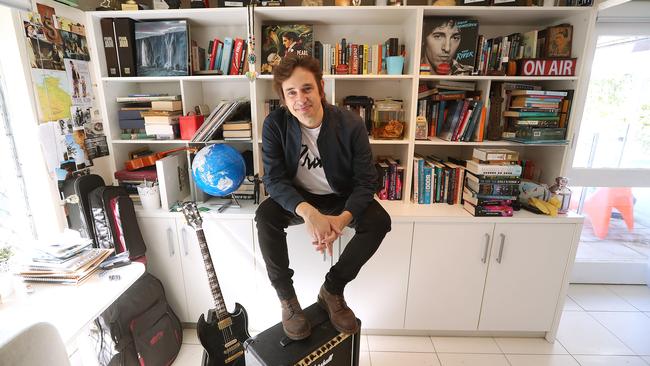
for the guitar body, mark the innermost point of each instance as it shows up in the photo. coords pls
(212, 338)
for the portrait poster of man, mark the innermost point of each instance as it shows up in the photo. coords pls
(449, 45)
(79, 79)
(281, 40)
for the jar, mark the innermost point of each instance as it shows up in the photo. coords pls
(387, 119)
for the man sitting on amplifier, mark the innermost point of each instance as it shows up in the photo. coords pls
(318, 170)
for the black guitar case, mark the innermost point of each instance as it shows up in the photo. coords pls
(79, 213)
(325, 345)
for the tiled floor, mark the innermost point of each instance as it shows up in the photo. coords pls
(601, 326)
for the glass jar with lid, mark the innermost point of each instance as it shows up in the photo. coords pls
(388, 119)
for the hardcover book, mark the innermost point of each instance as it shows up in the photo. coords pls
(162, 48)
(449, 45)
(281, 40)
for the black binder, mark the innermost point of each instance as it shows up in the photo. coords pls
(125, 39)
(110, 47)
(325, 345)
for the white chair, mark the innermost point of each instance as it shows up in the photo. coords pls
(35, 345)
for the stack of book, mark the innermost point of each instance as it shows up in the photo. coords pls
(162, 110)
(534, 116)
(492, 182)
(391, 175)
(163, 118)
(70, 263)
(437, 181)
(131, 179)
(237, 130)
(224, 111)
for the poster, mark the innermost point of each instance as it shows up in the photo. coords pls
(53, 100)
(78, 74)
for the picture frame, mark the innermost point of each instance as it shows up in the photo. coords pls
(162, 48)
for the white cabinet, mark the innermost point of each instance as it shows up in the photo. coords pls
(447, 275)
(526, 272)
(378, 294)
(164, 260)
(230, 242)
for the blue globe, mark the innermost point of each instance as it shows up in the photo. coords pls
(218, 169)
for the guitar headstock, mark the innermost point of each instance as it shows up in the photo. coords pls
(192, 215)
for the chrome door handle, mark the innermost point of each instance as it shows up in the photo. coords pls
(503, 241)
(185, 245)
(485, 250)
(170, 241)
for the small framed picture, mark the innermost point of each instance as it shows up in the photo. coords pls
(558, 41)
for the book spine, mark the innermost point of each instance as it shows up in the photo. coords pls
(427, 185)
(236, 56)
(225, 57)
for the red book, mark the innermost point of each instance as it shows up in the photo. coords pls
(236, 56)
(213, 53)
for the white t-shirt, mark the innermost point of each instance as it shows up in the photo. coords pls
(310, 175)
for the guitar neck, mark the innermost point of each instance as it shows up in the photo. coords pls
(212, 275)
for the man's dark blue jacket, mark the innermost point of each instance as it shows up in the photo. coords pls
(344, 151)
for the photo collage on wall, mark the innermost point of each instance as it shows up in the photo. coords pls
(70, 125)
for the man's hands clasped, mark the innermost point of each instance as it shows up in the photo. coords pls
(324, 229)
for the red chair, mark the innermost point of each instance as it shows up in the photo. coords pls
(598, 207)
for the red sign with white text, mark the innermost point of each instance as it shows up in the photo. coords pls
(547, 67)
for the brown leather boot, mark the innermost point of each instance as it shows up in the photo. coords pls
(340, 314)
(294, 322)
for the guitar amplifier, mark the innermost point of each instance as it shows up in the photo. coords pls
(325, 345)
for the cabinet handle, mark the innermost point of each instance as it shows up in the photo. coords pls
(485, 250)
(503, 241)
(170, 241)
(185, 245)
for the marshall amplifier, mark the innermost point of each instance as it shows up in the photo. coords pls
(324, 347)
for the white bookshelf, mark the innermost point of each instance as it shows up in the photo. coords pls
(357, 25)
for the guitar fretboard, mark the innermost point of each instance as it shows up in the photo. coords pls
(212, 275)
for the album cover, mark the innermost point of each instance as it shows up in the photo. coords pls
(162, 48)
(449, 45)
(281, 40)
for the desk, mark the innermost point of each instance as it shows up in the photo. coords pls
(69, 308)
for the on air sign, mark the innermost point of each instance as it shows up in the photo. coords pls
(547, 67)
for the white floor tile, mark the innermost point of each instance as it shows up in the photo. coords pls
(570, 305)
(541, 360)
(190, 337)
(530, 346)
(631, 328)
(363, 343)
(397, 358)
(581, 334)
(463, 359)
(190, 355)
(465, 345)
(364, 359)
(598, 298)
(399, 344)
(610, 360)
(637, 295)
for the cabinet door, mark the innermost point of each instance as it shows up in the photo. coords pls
(164, 260)
(448, 269)
(309, 268)
(378, 294)
(525, 276)
(231, 247)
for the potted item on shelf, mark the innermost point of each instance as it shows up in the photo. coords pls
(388, 119)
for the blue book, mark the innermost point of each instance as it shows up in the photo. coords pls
(473, 121)
(441, 116)
(427, 184)
(420, 183)
(225, 57)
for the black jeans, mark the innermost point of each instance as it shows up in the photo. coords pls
(272, 220)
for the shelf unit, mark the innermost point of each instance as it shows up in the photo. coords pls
(358, 25)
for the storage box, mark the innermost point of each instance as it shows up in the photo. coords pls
(325, 345)
(189, 125)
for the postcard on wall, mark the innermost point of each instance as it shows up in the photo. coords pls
(80, 83)
(75, 46)
(80, 116)
(162, 48)
(281, 40)
(53, 94)
(449, 45)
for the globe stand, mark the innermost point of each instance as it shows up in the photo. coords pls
(232, 203)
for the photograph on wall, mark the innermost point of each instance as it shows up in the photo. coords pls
(48, 19)
(281, 40)
(65, 126)
(80, 116)
(53, 97)
(44, 55)
(162, 48)
(75, 46)
(449, 45)
(76, 149)
(69, 25)
(34, 31)
(96, 146)
(80, 83)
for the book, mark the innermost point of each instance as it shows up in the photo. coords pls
(488, 154)
(462, 35)
(162, 48)
(167, 105)
(237, 125)
(278, 40)
(496, 170)
(146, 98)
(488, 211)
(482, 179)
(237, 133)
(161, 120)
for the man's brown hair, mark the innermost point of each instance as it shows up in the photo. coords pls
(289, 63)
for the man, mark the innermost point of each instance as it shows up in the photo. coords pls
(440, 46)
(318, 171)
(290, 43)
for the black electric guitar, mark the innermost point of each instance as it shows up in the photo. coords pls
(223, 333)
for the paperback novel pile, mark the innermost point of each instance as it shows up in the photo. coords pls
(537, 116)
(162, 119)
(237, 130)
(492, 182)
(145, 116)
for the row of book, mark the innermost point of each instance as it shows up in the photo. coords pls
(227, 57)
(436, 181)
(150, 116)
(270, 105)
(356, 59)
(390, 174)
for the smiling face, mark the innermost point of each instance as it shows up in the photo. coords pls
(442, 44)
(303, 98)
